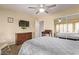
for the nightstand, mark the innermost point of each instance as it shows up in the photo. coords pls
(47, 32)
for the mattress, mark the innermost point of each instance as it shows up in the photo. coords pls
(49, 46)
(68, 35)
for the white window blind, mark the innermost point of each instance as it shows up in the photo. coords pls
(61, 28)
(77, 27)
(65, 28)
(57, 28)
(70, 28)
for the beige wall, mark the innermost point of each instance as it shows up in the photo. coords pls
(48, 22)
(8, 30)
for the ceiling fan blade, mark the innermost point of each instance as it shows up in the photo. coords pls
(51, 6)
(37, 12)
(46, 11)
(42, 5)
(32, 7)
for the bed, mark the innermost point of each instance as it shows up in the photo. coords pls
(71, 36)
(49, 46)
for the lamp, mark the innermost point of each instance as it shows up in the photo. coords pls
(59, 20)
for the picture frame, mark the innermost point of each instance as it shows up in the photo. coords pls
(10, 19)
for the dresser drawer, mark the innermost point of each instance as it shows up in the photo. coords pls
(22, 37)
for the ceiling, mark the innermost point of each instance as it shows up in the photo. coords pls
(24, 8)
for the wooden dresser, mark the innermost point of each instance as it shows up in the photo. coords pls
(22, 37)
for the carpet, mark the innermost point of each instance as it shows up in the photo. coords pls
(11, 50)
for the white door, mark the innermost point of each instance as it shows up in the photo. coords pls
(39, 27)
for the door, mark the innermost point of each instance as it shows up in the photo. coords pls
(39, 28)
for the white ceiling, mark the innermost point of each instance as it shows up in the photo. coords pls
(24, 8)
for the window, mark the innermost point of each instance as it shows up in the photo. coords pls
(77, 27)
(65, 28)
(57, 28)
(70, 28)
(61, 28)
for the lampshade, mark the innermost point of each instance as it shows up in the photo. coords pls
(59, 20)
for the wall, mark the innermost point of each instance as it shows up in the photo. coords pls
(49, 20)
(8, 30)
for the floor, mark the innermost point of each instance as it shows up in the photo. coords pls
(11, 50)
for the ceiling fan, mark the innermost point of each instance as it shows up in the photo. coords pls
(42, 8)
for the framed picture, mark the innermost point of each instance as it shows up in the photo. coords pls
(10, 20)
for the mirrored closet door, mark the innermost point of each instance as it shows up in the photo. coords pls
(67, 27)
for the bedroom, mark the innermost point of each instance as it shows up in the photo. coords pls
(11, 14)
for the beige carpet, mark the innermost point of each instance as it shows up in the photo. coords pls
(11, 50)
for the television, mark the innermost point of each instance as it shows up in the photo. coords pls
(23, 23)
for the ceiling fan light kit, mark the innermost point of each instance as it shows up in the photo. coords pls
(42, 8)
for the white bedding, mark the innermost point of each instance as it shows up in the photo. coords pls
(68, 35)
(49, 46)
